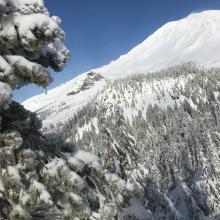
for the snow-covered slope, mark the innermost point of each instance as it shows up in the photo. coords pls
(62, 102)
(195, 38)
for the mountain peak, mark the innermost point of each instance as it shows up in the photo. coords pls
(193, 38)
(205, 13)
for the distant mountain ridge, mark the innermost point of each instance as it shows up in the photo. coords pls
(191, 39)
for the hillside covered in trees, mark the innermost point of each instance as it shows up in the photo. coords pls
(161, 132)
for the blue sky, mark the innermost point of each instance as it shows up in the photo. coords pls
(98, 31)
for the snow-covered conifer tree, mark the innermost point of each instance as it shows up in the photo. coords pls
(30, 41)
(41, 177)
(126, 142)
